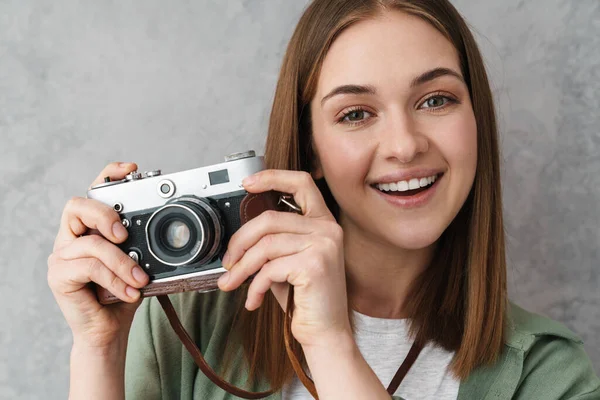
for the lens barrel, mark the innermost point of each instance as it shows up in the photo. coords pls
(187, 230)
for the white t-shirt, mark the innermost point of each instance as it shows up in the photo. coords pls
(384, 343)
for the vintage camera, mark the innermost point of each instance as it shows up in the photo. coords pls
(179, 224)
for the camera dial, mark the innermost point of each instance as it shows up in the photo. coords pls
(133, 176)
(240, 156)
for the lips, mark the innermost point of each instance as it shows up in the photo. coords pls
(407, 187)
(410, 198)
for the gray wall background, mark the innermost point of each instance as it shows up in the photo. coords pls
(179, 84)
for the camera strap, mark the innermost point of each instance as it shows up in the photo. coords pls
(196, 354)
(199, 358)
(252, 206)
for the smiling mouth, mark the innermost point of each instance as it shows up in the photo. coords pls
(407, 188)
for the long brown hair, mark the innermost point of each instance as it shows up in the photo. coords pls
(460, 301)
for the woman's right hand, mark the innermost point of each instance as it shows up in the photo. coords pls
(78, 260)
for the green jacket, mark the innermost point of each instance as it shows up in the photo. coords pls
(542, 359)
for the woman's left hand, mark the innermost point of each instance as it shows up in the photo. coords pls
(305, 251)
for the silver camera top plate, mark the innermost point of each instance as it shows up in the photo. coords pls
(154, 191)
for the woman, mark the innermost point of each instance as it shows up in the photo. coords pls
(383, 130)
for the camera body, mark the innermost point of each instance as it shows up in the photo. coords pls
(180, 224)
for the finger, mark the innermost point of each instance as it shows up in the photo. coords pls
(80, 214)
(269, 222)
(297, 183)
(110, 255)
(274, 275)
(268, 248)
(115, 171)
(67, 277)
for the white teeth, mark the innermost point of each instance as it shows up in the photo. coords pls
(413, 184)
(403, 186)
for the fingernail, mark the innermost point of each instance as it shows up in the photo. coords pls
(223, 279)
(124, 164)
(139, 275)
(249, 180)
(119, 230)
(131, 292)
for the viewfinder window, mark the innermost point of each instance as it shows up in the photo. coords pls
(218, 177)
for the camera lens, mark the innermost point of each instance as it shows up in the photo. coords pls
(176, 234)
(185, 231)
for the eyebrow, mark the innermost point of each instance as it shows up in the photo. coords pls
(370, 90)
(434, 74)
(349, 89)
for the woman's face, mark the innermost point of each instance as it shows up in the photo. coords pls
(392, 113)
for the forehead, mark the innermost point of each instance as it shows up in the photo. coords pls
(389, 50)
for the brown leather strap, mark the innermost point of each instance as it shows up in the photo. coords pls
(306, 381)
(410, 359)
(197, 354)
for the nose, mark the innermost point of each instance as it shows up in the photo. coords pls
(401, 140)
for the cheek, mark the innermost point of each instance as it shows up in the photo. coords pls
(344, 158)
(457, 141)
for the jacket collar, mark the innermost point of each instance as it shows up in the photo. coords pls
(525, 328)
(500, 380)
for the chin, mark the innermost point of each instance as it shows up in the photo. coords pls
(411, 232)
(410, 239)
(416, 233)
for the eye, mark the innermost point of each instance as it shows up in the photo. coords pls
(355, 116)
(437, 101)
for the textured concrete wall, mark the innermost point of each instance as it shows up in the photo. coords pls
(175, 85)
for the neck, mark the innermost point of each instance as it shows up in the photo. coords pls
(379, 275)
